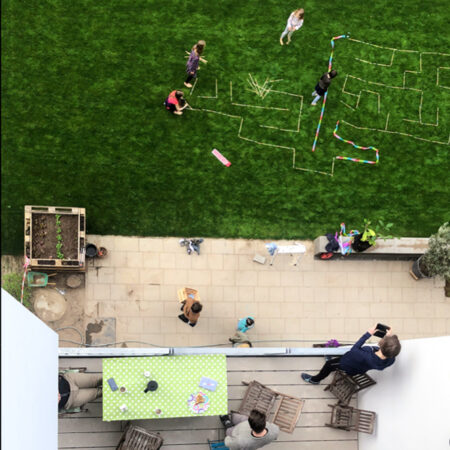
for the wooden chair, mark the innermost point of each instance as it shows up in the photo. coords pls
(351, 419)
(262, 398)
(137, 438)
(257, 397)
(344, 386)
(288, 413)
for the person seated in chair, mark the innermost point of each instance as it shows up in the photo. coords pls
(359, 359)
(75, 389)
(191, 311)
(248, 433)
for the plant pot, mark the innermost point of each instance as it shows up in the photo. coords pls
(102, 252)
(419, 270)
(358, 245)
(91, 250)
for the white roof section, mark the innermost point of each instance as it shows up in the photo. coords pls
(29, 379)
(411, 399)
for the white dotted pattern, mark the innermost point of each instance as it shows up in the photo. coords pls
(178, 377)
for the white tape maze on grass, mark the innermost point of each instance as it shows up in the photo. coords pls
(373, 88)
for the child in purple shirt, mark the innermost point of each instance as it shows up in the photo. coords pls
(361, 359)
(193, 62)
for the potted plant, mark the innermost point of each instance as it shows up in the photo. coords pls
(436, 261)
(368, 237)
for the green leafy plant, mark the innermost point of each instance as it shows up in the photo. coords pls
(378, 231)
(59, 244)
(436, 261)
(12, 283)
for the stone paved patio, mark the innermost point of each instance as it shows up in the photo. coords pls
(318, 300)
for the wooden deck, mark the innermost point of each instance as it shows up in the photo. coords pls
(87, 430)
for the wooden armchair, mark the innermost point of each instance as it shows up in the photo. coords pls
(344, 386)
(262, 398)
(257, 397)
(351, 419)
(137, 438)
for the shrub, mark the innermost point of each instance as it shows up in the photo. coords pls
(12, 283)
(437, 259)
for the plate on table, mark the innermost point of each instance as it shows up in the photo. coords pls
(198, 403)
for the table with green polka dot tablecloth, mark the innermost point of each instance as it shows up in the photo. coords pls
(178, 377)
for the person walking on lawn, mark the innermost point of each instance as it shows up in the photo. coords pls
(193, 62)
(248, 433)
(361, 359)
(323, 85)
(191, 311)
(294, 23)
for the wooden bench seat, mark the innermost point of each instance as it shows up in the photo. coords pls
(407, 248)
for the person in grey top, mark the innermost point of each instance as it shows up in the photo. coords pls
(248, 433)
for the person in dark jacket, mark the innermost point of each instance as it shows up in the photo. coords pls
(323, 85)
(361, 359)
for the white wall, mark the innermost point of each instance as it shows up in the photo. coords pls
(411, 399)
(29, 380)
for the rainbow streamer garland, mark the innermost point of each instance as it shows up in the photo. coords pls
(364, 161)
(330, 63)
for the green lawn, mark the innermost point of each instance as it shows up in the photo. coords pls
(83, 123)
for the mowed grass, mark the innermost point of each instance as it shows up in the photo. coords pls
(83, 123)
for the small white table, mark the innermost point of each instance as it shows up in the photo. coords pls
(295, 249)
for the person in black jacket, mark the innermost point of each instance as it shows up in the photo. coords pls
(361, 359)
(323, 85)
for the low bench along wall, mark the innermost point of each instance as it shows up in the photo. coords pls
(389, 249)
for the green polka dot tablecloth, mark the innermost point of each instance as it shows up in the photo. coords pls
(178, 377)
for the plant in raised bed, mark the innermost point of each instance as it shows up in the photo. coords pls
(436, 261)
(59, 242)
(12, 283)
(371, 233)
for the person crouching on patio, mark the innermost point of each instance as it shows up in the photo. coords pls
(175, 102)
(76, 389)
(191, 311)
(359, 359)
(250, 432)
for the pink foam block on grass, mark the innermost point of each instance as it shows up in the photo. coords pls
(221, 158)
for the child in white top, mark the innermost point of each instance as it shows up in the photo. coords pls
(295, 22)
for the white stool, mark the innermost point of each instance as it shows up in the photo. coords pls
(295, 249)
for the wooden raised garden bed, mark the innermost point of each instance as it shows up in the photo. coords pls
(55, 237)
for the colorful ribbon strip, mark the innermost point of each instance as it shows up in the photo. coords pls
(364, 161)
(330, 63)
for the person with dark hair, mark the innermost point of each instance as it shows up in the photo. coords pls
(75, 389)
(193, 62)
(359, 359)
(191, 311)
(248, 433)
(323, 85)
(175, 102)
